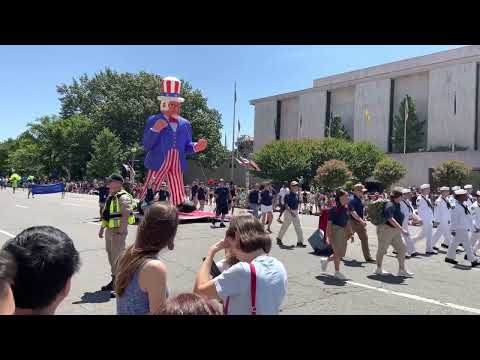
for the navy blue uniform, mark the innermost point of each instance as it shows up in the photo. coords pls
(222, 200)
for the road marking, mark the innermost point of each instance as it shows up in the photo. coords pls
(92, 223)
(7, 233)
(21, 206)
(77, 205)
(416, 297)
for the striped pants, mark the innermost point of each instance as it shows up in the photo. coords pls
(171, 169)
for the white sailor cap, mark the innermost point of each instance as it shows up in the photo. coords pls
(460, 192)
(406, 191)
(468, 187)
(425, 186)
(478, 193)
(444, 188)
(455, 188)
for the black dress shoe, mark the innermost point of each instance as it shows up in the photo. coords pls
(108, 287)
(222, 225)
(394, 252)
(431, 253)
(301, 245)
(450, 261)
(475, 263)
(279, 242)
(435, 248)
(414, 254)
(444, 246)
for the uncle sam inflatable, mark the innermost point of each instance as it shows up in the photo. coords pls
(168, 140)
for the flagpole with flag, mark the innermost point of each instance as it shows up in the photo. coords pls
(405, 127)
(233, 136)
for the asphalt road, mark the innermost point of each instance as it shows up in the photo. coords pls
(437, 288)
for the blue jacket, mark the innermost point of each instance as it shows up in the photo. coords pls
(158, 144)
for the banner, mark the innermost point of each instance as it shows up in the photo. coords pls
(47, 189)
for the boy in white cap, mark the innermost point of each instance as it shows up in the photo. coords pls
(452, 195)
(443, 217)
(408, 212)
(425, 211)
(461, 224)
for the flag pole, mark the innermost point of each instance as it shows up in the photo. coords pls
(405, 127)
(454, 115)
(233, 135)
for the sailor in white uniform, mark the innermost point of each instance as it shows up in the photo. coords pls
(470, 198)
(409, 213)
(475, 210)
(443, 217)
(462, 223)
(452, 195)
(425, 211)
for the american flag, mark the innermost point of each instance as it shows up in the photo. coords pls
(249, 164)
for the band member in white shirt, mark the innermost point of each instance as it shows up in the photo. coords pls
(461, 224)
(425, 211)
(443, 217)
(409, 213)
(452, 195)
(475, 237)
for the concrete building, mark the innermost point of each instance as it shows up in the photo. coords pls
(435, 82)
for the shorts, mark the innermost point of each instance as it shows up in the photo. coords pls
(266, 208)
(387, 236)
(339, 240)
(221, 210)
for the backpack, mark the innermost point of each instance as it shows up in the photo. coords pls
(375, 212)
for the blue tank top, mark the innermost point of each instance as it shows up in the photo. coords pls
(134, 300)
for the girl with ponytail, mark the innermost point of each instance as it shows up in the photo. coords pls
(141, 278)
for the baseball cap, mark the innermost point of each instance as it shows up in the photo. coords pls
(116, 177)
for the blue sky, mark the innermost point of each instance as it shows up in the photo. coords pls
(29, 74)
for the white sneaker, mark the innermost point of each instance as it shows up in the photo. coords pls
(379, 271)
(324, 264)
(340, 276)
(405, 273)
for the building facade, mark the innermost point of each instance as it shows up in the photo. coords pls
(444, 87)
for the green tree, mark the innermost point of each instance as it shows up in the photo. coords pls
(7, 147)
(451, 173)
(415, 128)
(333, 174)
(106, 156)
(363, 158)
(388, 171)
(336, 129)
(122, 102)
(287, 159)
(63, 144)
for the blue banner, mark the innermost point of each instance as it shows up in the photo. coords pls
(47, 189)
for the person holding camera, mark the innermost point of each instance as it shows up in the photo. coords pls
(256, 285)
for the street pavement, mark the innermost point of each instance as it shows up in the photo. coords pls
(437, 288)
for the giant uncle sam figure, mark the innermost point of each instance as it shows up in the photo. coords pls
(168, 140)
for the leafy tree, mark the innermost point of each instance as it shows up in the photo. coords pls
(287, 159)
(7, 147)
(415, 128)
(106, 157)
(388, 171)
(25, 159)
(122, 102)
(333, 174)
(363, 158)
(451, 173)
(63, 144)
(336, 129)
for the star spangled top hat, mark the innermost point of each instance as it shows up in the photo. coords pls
(171, 87)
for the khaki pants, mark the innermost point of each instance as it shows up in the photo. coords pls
(114, 244)
(287, 220)
(387, 236)
(362, 234)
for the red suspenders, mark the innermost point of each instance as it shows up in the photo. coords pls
(253, 292)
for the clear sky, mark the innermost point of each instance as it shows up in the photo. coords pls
(29, 74)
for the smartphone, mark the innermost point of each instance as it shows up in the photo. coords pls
(214, 270)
